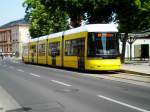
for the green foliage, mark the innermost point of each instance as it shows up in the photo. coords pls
(48, 16)
(132, 15)
(93, 11)
(42, 21)
(51, 15)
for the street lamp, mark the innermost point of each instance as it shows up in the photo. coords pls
(131, 40)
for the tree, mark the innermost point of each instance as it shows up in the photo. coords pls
(44, 22)
(92, 11)
(132, 16)
(51, 15)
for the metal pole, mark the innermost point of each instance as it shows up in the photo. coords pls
(130, 51)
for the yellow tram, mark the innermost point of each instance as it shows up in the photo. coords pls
(89, 47)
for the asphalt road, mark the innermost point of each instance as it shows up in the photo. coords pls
(44, 89)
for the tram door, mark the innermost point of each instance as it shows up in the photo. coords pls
(81, 52)
(32, 57)
(33, 53)
(55, 51)
(53, 58)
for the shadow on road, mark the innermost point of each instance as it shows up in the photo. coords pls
(78, 70)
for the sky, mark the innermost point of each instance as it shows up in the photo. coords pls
(11, 10)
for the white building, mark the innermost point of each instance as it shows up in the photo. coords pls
(140, 48)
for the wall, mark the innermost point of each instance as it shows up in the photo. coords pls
(24, 37)
(137, 42)
(5, 41)
(12, 38)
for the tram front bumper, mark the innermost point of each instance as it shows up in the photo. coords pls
(108, 64)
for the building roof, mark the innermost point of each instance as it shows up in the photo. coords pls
(14, 23)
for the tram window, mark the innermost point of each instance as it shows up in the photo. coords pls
(105, 45)
(54, 49)
(67, 47)
(72, 47)
(33, 48)
(42, 50)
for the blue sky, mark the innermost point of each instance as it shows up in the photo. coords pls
(11, 10)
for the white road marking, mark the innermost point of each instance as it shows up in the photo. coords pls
(124, 104)
(20, 70)
(58, 82)
(34, 75)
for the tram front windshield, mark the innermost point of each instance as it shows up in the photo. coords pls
(103, 45)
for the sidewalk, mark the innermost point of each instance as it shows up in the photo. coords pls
(7, 102)
(136, 68)
(135, 73)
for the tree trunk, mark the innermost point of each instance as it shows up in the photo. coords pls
(76, 21)
(124, 40)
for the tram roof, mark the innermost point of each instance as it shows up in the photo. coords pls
(34, 40)
(88, 28)
(93, 28)
(43, 37)
(54, 35)
(39, 38)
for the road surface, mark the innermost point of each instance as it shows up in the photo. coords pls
(44, 89)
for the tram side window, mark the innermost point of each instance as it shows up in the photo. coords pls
(54, 49)
(42, 50)
(73, 47)
(33, 48)
(69, 51)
